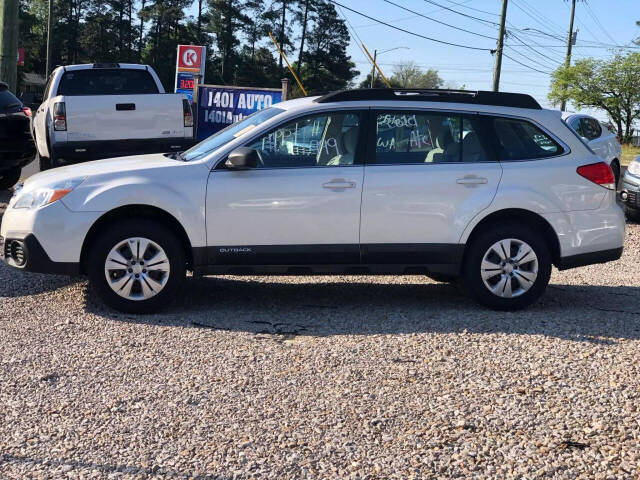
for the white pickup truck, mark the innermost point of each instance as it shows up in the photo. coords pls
(108, 110)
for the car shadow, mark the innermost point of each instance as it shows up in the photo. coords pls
(311, 307)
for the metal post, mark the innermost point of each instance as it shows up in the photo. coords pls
(9, 42)
(285, 88)
(499, 47)
(373, 68)
(49, 38)
(567, 60)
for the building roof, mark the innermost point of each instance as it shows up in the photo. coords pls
(33, 79)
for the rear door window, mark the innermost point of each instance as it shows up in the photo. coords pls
(591, 128)
(521, 140)
(428, 137)
(103, 81)
(576, 125)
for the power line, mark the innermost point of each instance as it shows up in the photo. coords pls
(558, 28)
(598, 23)
(543, 65)
(525, 65)
(474, 9)
(408, 31)
(530, 15)
(461, 13)
(531, 48)
(438, 21)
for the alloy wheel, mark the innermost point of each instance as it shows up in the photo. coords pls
(509, 268)
(137, 268)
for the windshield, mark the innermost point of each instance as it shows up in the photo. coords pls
(233, 131)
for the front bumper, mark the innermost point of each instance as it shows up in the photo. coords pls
(630, 191)
(45, 240)
(27, 254)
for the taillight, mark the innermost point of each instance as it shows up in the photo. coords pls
(188, 116)
(59, 116)
(599, 173)
(26, 111)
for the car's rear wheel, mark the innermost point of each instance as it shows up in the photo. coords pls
(9, 177)
(137, 266)
(507, 267)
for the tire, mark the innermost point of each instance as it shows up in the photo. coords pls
(135, 296)
(9, 177)
(507, 277)
(43, 162)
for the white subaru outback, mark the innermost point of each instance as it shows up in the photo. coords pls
(487, 188)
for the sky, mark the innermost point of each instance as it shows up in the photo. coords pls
(600, 23)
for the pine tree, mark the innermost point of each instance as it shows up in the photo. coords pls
(327, 65)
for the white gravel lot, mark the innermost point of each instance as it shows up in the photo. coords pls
(325, 377)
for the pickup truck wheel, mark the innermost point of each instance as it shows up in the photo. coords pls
(9, 177)
(137, 266)
(507, 267)
(43, 162)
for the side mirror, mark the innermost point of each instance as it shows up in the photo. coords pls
(242, 158)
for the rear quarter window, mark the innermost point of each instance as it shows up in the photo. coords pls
(101, 81)
(522, 140)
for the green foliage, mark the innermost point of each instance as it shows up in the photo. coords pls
(611, 85)
(409, 75)
(235, 32)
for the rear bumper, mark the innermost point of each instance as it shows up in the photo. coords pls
(591, 258)
(590, 236)
(18, 157)
(72, 152)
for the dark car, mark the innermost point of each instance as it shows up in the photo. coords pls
(17, 147)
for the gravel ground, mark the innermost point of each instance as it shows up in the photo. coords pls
(326, 377)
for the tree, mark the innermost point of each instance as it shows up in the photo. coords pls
(611, 85)
(227, 18)
(326, 65)
(377, 82)
(409, 75)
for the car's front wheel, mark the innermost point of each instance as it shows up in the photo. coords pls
(137, 266)
(507, 267)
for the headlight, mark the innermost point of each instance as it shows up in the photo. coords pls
(634, 166)
(46, 195)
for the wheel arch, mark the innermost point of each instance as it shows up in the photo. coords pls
(133, 211)
(524, 217)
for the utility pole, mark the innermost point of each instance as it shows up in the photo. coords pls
(499, 47)
(567, 60)
(9, 43)
(373, 68)
(49, 35)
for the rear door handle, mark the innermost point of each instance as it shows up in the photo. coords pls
(125, 106)
(472, 180)
(339, 184)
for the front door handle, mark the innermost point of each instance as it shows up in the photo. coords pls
(339, 184)
(472, 180)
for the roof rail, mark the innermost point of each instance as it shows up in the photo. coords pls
(477, 97)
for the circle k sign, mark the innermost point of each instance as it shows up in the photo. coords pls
(189, 56)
